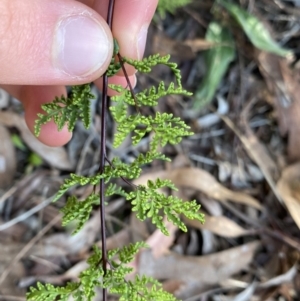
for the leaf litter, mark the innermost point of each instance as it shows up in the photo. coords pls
(240, 162)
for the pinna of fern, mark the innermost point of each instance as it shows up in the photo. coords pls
(67, 110)
(141, 288)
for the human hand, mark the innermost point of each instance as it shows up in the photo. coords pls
(47, 44)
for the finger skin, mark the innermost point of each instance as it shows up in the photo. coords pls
(49, 134)
(27, 48)
(32, 98)
(130, 24)
(132, 18)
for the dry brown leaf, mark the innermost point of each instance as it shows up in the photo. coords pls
(202, 272)
(172, 286)
(160, 243)
(9, 285)
(7, 158)
(212, 206)
(207, 270)
(118, 240)
(199, 44)
(164, 46)
(256, 150)
(247, 293)
(288, 187)
(283, 278)
(140, 230)
(184, 50)
(219, 225)
(55, 156)
(73, 244)
(13, 233)
(10, 250)
(283, 83)
(203, 181)
(258, 153)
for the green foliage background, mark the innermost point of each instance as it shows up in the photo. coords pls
(170, 5)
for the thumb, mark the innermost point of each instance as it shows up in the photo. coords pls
(52, 42)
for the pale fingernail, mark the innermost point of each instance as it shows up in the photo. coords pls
(141, 41)
(81, 46)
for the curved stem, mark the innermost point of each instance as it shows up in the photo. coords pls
(128, 82)
(125, 180)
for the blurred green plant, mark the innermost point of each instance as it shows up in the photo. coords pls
(219, 57)
(170, 6)
(217, 61)
(255, 30)
(18, 142)
(35, 160)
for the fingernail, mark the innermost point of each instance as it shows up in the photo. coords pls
(141, 41)
(81, 46)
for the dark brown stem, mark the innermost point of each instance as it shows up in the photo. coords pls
(126, 181)
(102, 157)
(128, 81)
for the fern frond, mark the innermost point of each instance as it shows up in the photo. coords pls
(119, 169)
(77, 180)
(92, 276)
(128, 125)
(148, 203)
(114, 66)
(147, 158)
(133, 170)
(127, 253)
(79, 210)
(166, 128)
(142, 288)
(114, 189)
(147, 200)
(49, 292)
(146, 65)
(66, 111)
(90, 279)
(148, 97)
(119, 109)
(95, 258)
